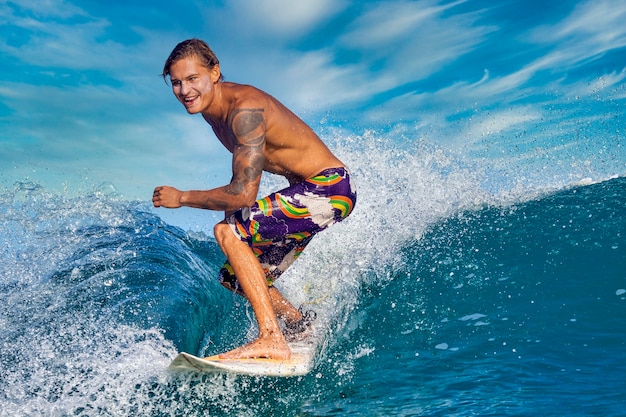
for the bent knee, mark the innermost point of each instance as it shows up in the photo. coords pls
(223, 233)
(220, 230)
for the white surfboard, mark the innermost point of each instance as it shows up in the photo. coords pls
(300, 363)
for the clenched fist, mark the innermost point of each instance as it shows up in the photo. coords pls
(166, 196)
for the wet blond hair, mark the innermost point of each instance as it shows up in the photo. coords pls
(188, 48)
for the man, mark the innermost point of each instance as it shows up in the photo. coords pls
(260, 238)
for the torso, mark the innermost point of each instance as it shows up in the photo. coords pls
(291, 148)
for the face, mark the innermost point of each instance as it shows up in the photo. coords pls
(192, 84)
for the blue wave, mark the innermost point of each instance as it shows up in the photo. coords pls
(513, 310)
(510, 309)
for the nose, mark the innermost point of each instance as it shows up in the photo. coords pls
(184, 88)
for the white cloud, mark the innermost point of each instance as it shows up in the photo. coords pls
(310, 81)
(603, 20)
(50, 42)
(604, 82)
(60, 46)
(386, 23)
(283, 19)
(592, 29)
(46, 8)
(501, 121)
(396, 42)
(412, 40)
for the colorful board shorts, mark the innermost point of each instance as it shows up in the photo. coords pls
(279, 226)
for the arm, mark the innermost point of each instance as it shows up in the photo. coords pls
(248, 128)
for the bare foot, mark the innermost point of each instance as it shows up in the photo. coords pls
(260, 348)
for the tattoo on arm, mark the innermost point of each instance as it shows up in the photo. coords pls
(245, 121)
(248, 126)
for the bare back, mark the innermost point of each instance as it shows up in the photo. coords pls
(291, 147)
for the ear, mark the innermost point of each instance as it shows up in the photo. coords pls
(216, 73)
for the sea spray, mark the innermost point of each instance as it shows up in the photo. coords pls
(401, 193)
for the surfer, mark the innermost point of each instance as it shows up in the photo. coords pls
(261, 238)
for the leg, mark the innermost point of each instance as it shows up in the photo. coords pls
(298, 324)
(271, 342)
(283, 308)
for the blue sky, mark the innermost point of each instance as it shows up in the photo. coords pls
(82, 103)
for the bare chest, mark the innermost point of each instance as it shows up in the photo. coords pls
(225, 136)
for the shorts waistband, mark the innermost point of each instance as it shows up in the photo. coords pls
(341, 171)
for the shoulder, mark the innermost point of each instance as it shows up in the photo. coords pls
(245, 95)
(243, 92)
(247, 112)
(249, 100)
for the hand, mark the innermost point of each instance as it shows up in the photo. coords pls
(166, 196)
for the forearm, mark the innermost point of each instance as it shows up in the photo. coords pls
(219, 199)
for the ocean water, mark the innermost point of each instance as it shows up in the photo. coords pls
(446, 293)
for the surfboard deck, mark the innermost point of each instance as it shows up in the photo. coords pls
(300, 363)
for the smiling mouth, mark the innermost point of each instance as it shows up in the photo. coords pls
(189, 101)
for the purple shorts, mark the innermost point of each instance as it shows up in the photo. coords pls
(279, 226)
